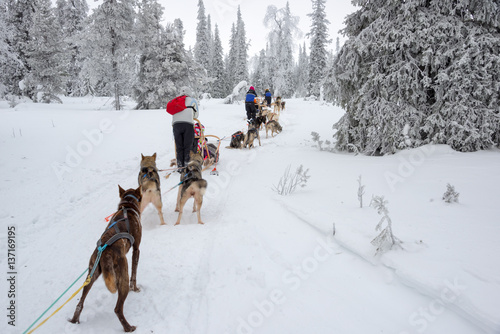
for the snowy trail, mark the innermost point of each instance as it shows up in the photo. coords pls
(262, 263)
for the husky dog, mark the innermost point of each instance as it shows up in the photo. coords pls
(250, 136)
(260, 121)
(274, 126)
(277, 104)
(237, 140)
(192, 186)
(123, 232)
(149, 182)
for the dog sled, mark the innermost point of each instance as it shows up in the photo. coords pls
(209, 151)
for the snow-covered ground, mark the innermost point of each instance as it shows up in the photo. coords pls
(262, 263)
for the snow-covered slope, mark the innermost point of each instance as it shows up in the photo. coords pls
(262, 263)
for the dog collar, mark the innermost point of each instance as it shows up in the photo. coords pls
(130, 195)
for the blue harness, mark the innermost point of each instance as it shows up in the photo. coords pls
(119, 234)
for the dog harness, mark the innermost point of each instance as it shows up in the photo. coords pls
(146, 174)
(119, 234)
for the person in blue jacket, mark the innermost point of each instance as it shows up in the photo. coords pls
(269, 97)
(250, 104)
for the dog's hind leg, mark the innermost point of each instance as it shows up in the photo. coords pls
(183, 201)
(159, 205)
(122, 280)
(177, 208)
(135, 261)
(199, 201)
(86, 289)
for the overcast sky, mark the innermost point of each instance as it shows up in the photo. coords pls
(223, 12)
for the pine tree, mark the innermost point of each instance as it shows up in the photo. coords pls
(8, 58)
(259, 75)
(108, 49)
(420, 72)
(241, 69)
(44, 51)
(231, 59)
(283, 27)
(19, 17)
(302, 72)
(71, 16)
(147, 88)
(202, 46)
(219, 87)
(319, 40)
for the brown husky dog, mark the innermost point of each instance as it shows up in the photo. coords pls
(192, 186)
(123, 232)
(274, 126)
(149, 181)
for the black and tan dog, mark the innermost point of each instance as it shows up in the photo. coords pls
(237, 140)
(260, 121)
(274, 126)
(251, 135)
(123, 232)
(149, 181)
(193, 185)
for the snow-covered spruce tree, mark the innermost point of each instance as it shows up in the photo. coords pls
(148, 90)
(330, 84)
(385, 240)
(8, 59)
(241, 70)
(202, 45)
(44, 51)
(450, 196)
(108, 47)
(231, 59)
(432, 67)
(19, 18)
(302, 72)
(71, 15)
(237, 63)
(283, 27)
(319, 40)
(259, 75)
(219, 86)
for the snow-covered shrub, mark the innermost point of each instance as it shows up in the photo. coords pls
(450, 196)
(289, 181)
(361, 192)
(328, 144)
(385, 240)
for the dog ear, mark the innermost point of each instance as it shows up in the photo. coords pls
(138, 193)
(154, 156)
(120, 190)
(142, 157)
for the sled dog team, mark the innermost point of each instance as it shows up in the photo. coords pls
(124, 230)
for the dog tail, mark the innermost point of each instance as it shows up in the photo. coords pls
(203, 186)
(108, 272)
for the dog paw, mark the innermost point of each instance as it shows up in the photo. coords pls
(130, 329)
(201, 223)
(177, 223)
(135, 288)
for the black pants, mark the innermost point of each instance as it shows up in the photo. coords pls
(268, 100)
(184, 142)
(251, 110)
